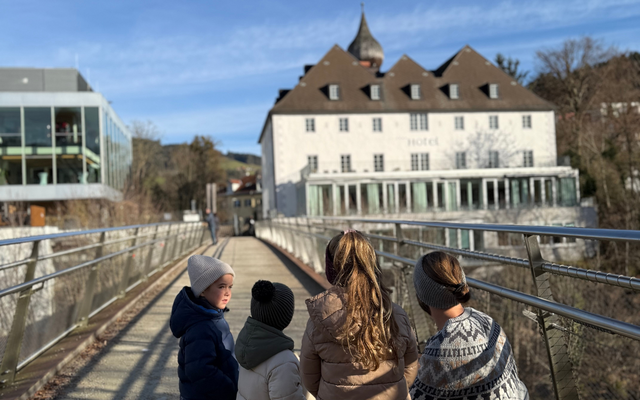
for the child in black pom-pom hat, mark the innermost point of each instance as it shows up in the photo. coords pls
(268, 367)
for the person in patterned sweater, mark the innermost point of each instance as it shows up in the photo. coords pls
(470, 357)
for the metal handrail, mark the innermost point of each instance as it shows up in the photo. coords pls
(574, 232)
(623, 328)
(187, 236)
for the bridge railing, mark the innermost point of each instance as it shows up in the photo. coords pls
(52, 284)
(574, 331)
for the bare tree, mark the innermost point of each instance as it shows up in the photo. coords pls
(479, 145)
(510, 67)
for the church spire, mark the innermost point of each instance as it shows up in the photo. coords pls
(365, 47)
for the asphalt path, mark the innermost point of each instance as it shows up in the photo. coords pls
(141, 361)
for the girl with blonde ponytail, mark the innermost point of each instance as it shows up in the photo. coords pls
(357, 344)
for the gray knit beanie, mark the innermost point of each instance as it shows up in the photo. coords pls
(272, 304)
(203, 271)
(431, 292)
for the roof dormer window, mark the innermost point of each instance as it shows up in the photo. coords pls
(493, 90)
(375, 92)
(415, 92)
(454, 91)
(334, 92)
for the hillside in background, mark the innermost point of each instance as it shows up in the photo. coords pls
(238, 165)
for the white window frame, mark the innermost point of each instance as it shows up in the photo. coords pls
(454, 91)
(526, 121)
(494, 123)
(378, 162)
(424, 161)
(377, 124)
(458, 122)
(527, 158)
(493, 91)
(344, 124)
(310, 124)
(461, 160)
(375, 92)
(312, 162)
(494, 159)
(419, 121)
(415, 91)
(334, 92)
(413, 122)
(345, 162)
(424, 121)
(415, 162)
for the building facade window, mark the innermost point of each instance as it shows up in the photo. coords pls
(378, 162)
(375, 92)
(310, 124)
(493, 91)
(494, 159)
(312, 162)
(237, 203)
(345, 163)
(528, 158)
(415, 92)
(526, 121)
(344, 124)
(419, 122)
(461, 160)
(493, 122)
(334, 92)
(247, 202)
(377, 124)
(420, 162)
(459, 123)
(454, 91)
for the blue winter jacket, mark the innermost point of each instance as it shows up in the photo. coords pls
(207, 367)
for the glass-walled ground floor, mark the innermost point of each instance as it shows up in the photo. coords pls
(62, 144)
(375, 196)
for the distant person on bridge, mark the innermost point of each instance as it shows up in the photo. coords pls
(470, 356)
(207, 367)
(269, 369)
(357, 344)
(212, 223)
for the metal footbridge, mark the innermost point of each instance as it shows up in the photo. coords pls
(84, 314)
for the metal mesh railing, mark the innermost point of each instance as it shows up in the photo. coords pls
(574, 331)
(51, 284)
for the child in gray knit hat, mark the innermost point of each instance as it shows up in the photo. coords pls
(268, 367)
(470, 355)
(207, 367)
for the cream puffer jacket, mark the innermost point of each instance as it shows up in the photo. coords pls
(277, 378)
(327, 369)
(269, 370)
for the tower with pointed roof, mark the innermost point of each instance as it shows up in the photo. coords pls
(365, 47)
(461, 142)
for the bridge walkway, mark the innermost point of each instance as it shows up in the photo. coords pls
(141, 361)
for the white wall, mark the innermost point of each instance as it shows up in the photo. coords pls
(268, 180)
(397, 142)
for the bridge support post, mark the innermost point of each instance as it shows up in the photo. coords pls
(175, 243)
(165, 244)
(147, 264)
(129, 266)
(11, 356)
(85, 308)
(561, 369)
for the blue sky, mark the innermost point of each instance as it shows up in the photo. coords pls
(214, 67)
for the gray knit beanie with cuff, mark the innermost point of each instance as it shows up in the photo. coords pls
(272, 303)
(203, 271)
(431, 292)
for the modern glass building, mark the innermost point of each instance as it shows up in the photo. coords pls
(59, 140)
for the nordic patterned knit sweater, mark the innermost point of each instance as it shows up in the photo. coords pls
(469, 359)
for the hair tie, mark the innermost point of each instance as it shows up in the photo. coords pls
(458, 288)
(348, 231)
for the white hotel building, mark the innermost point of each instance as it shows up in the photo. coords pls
(462, 143)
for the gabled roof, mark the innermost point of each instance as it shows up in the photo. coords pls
(467, 68)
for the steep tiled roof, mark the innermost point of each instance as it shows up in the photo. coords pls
(467, 68)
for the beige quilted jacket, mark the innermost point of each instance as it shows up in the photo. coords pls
(327, 370)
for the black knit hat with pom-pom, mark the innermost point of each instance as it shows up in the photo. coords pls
(272, 304)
